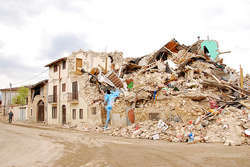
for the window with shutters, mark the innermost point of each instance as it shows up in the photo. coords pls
(55, 68)
(64, 65)
(54, 112)
(74, 114)
(74, 91)
(63, 87)
(81, 114)
(55, 93)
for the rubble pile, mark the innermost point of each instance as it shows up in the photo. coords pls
(179, 94)
(226, 128)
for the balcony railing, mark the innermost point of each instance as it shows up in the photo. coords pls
(73, 97)
(52, 99)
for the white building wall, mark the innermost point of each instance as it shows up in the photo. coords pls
(17, 113)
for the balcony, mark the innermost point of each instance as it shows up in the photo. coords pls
(72, 97)
(52, 99)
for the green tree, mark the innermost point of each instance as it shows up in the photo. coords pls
(21, 97)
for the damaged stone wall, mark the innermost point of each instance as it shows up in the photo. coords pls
(90, 97)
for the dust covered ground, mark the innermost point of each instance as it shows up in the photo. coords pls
(24, 146)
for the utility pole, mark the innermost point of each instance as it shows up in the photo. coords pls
(10, 93)
(4, 103)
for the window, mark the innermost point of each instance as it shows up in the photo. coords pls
(74, 113)
(63, 87)
(78, 64)
(55, 93)
(74, 91)
(64, 65)
(54, 112)
(55, 68)
(81, 114)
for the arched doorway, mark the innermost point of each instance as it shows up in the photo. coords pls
(63, 114)
(40, 112)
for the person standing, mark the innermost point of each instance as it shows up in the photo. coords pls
(10, 115)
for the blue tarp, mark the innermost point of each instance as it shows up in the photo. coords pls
(110, 99)
(212, 48)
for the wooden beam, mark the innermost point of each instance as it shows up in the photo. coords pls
(241, 77)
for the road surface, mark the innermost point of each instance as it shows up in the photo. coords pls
(42, 147)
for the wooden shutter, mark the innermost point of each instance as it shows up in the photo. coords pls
(81, 114)
(74, 113)
(64, 65)
(54, 93)
(78, 64)
(63, 87)
(74, 91)
(55, 68)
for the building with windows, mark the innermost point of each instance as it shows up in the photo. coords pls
(37, 102)
(35, 107)
(68, 97)
(7, 95)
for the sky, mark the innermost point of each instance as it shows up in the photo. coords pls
(35, 32)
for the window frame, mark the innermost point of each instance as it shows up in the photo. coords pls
(79, 63)
(54, 112)
(75, 90)
(63, 87)
(55, 67)
(64, 65)
(80, 113)
(73, 114)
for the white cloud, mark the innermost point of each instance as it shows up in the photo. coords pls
(29, 33)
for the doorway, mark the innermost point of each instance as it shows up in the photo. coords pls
(40, 112)
(63, 114)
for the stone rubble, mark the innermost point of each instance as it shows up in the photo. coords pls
(195, 98)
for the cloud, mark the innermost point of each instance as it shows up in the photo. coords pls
(64, 43)
(14, 12)
(1, 44)
(12, 68)
(34, 33)
(18, 13)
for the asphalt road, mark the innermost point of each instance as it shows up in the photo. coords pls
(42, 147)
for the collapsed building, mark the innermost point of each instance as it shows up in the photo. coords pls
(187, 90)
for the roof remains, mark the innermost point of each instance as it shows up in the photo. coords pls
(10, 89)
(56, 61)
(43, 82)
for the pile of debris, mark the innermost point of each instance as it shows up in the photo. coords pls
(226, 128)
(179, 93)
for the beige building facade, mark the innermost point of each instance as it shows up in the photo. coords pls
(68, 96)
(38, 102)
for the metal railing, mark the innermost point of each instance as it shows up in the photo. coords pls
(72, 96)
(52, 98)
